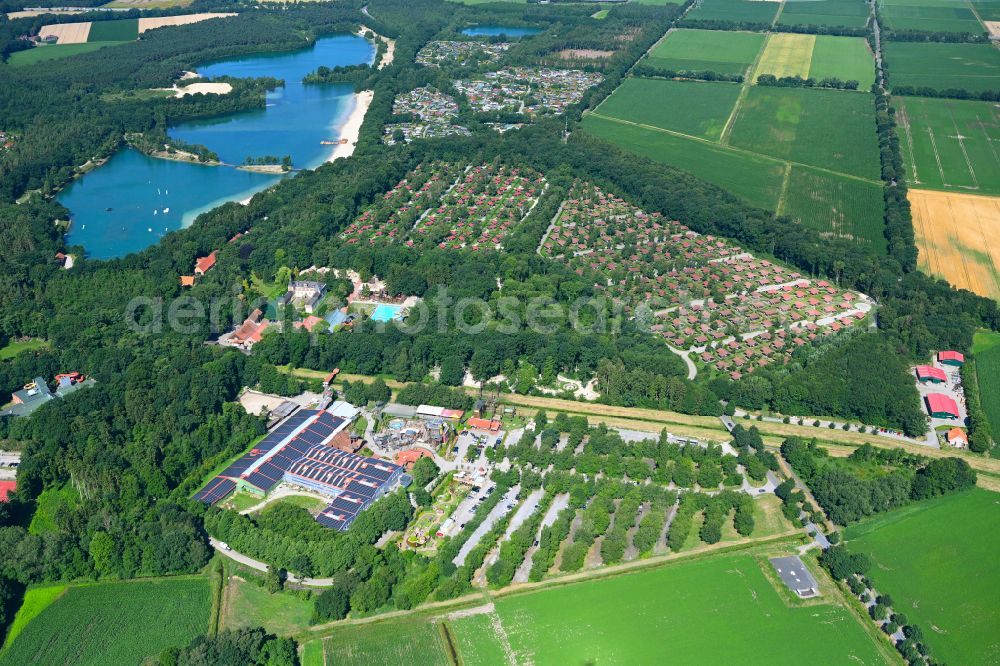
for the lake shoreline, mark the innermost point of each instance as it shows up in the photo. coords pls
(351, 129)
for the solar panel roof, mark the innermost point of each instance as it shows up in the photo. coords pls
(215, 490)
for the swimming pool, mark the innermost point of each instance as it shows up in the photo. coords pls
(387, 312)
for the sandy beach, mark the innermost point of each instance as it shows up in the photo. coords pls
(352, 128)
(390, 47)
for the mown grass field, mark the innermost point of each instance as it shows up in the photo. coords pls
(757, 180)
(824, 128)
(694, 108)
(735, 10)
(929, 15)
(972, 67)
(113, 623)
(664, 615)
(842, 207)
(949, 144)
(54, 52)
(13, 348)
(122, 30)
(413, 641)
(937, 560)
(706, 50)
(247, 604)
(847, 13)
(986, 349)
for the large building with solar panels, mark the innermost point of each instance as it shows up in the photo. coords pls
(299, 452)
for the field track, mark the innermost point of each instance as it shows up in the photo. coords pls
(958, 236)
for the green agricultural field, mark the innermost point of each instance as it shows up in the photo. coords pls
(831, 129)
(972, 67)
(665, 615)
(845, 58)
(54, 52)
(937, 560)
(986, 349)
(412, 641)
(706, 50)
(988, 10)
(747, 11)
(122, 30)
(845, 13)
(755, 179)
(950, 144)
(694, 108)
(35, 601)
(113, 623)
(843, 207)
(929, 15)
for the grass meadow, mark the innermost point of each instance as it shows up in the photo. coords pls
(988, 10)
(845, 58)
(412, 641)
(846, 13)
(122, 30)
(824, 128)
(755, 179)
(53, 52)
(937, 560)
(986, 349)
(694, 108)
(840, 206)
(706, 50)
(13, 348)
(735, 10)
(929, 16)
(247, 604)
(664, 615)
(112, 623)
(950, 144)
(972, 67)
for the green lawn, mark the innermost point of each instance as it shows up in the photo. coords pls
(312, 653)
(665, 615)
(35, 601)
(113, 623)
(694, 108)
(846, 13)
(972, 67)
(824, 128)
(54, 52)
(12, 348)
(937, 560)
(412, 641)
(735, 10)
(845, 58)
(949, 144)
(757, 180)
(929, 16)
(986, 349)
(706, 50)
(122, 30)
(249, 605)
(840, 206)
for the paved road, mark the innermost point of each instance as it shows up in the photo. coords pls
(246, 560)
(498, 511)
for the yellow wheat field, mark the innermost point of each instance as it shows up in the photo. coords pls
(958, 236)
(787, 55)
(67, 33)
(162, 21)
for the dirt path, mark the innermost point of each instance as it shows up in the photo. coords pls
(661, 544)
(630, 550)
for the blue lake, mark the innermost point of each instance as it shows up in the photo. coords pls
(150, 197)
(496, 30)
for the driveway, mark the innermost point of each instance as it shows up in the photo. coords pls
(498, 512)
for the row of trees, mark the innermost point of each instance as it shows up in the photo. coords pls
(799, 82)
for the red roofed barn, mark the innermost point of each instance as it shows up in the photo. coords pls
(951, 358)
(928, 373)
(941, 406)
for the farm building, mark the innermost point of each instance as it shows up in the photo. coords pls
(957, 438)
(941, 406)
(303, 451)
(928, 373)
(954, 358)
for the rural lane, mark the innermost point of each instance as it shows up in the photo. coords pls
(246, 560)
